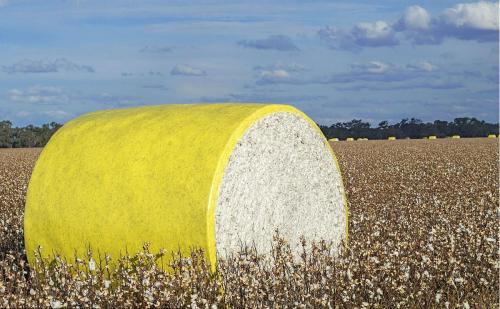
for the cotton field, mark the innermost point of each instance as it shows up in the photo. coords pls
(423, 232)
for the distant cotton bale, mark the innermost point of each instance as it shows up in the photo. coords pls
(492, 136)
(391, 138)
(456, 136)
(349, 139)
(433, 137)
(335, 139)
(115, 179)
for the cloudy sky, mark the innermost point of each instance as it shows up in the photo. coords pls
(375, 60)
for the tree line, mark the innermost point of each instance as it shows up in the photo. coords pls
(25, 137)
(34, 136)
(411, 128)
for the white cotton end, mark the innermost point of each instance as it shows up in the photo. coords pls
(281, 175)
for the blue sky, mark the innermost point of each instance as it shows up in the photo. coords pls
(334, 60)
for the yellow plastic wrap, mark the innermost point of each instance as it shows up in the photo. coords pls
(115, 179)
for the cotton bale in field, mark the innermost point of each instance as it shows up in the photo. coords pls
(492, 136)
(456, 136)
(391, 138)
(334, 139)
(209, 176)
(433, 137)
(349, 139)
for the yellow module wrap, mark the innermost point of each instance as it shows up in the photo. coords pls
(181, 177)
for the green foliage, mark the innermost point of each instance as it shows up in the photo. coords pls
(26, 137)
(412, 128)
(33, 136)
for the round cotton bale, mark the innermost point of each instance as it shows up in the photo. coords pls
(456, 136)
(349, 139)
(492, 136)
(433, 137)
(209, 176)
(335, 139)
(391, 138)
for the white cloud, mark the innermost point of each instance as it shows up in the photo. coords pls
(157, 49)
(23, 114)
(50, 95)
(274, 74)
(376, 34)
(56, 113)
(289, 67)
(44, 66)
(377, 31)
(279, 72)
(337, 38)
(402, 85)
(422, 66)
(274, 42)
(372, 67)
(39, 95)
(53, 114)
(467, 21)
(479, 15)
(416, 18)
(187, 70)
(375, 71)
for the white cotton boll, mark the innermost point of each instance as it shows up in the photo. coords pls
(438, 297)
(91, 265)
(55, 304)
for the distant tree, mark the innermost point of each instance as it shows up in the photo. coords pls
(5, 134)
(383, 124)
(356, 124)
(412, 128)
(28, 136)
(34, 136)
